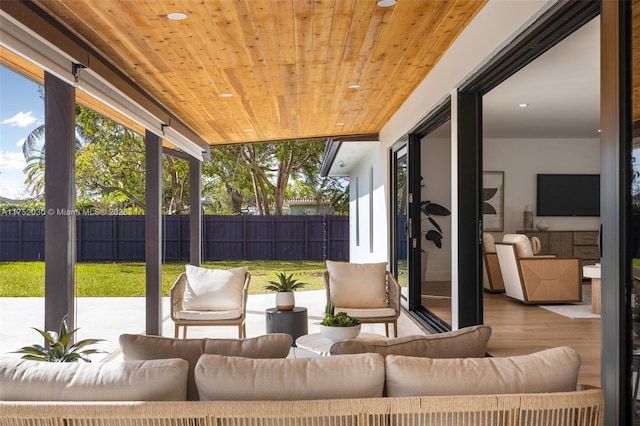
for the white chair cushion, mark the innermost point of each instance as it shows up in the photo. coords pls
(551, 370)
(226, 378)
(358, 285)
(368, 313)
(213, 289)
(208, 315)
(523, 245)
(153, 380)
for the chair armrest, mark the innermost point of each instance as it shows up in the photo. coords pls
(176, 293)
(393, 289)
(327, 288)
(245, 292)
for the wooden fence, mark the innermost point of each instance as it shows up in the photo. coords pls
(122, 238)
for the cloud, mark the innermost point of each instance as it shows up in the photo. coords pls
(20, 142)
(21, 119)
(13, 189)
(12, 161)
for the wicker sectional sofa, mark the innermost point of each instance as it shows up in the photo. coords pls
(358, 388)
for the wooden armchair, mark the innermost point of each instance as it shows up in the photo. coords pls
(492, 277)
(537, 279)
(366, 291)
(214, 298)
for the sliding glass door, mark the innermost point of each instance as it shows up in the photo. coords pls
(399, 217)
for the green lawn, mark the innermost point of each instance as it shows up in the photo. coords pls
(26, 279)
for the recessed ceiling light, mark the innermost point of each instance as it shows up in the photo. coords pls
(354, 86)
(386, 3)
(523, 105)
(226, 95)
(177, 16)
(248, 130)
(340, 124)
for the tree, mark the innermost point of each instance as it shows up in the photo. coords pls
(112, 160)
(110, 165)
(224, 171)
(269, 166)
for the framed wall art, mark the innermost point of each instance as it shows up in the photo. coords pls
(493, 201)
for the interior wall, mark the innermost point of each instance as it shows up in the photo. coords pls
(522, 159)
(435, 155)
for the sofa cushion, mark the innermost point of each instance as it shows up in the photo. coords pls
(154, 380)
(463, 343)
(139, 347)
(213, 289)
(223, 378)
(358, 285)
(551, 370)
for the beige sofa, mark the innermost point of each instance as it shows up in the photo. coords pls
(356, 389)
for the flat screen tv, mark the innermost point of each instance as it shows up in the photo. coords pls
(568, 195)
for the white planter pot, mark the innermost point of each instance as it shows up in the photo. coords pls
(285, 301)
(337, 334)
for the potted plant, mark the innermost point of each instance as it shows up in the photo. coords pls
(59, 346)
(284, 288)
(429, 209)
(340, 326)
(432, 209)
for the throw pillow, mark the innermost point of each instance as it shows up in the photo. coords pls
(358, 285)
(223, 378)
(468, 342)
(551, 370)
(154, 380)
(213, 289)
(140, 347)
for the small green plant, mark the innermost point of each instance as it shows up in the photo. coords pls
(342, 319)
(59, 347)
(285, 283)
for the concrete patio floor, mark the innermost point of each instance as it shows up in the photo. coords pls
(108, 317)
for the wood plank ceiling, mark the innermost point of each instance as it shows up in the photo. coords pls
(259, 70)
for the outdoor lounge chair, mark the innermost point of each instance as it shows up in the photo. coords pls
(208, 297)
(364, 290)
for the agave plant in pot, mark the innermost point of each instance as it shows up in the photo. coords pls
(340, 326)
(284, 288)
(60, 347)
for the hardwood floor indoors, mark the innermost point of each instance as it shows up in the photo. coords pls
(519, 329)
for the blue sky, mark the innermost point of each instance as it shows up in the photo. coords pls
(21, 111)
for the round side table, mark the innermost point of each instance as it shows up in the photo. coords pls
(292, 322)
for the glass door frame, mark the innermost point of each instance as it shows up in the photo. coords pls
(397, 151)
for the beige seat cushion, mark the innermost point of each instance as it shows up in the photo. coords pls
(552, 370)
(222, 378)
(154, 380)
(208, 315)
(213, 289)
(139, 347)
(368, 313)
(464, 343)
(358, 285)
